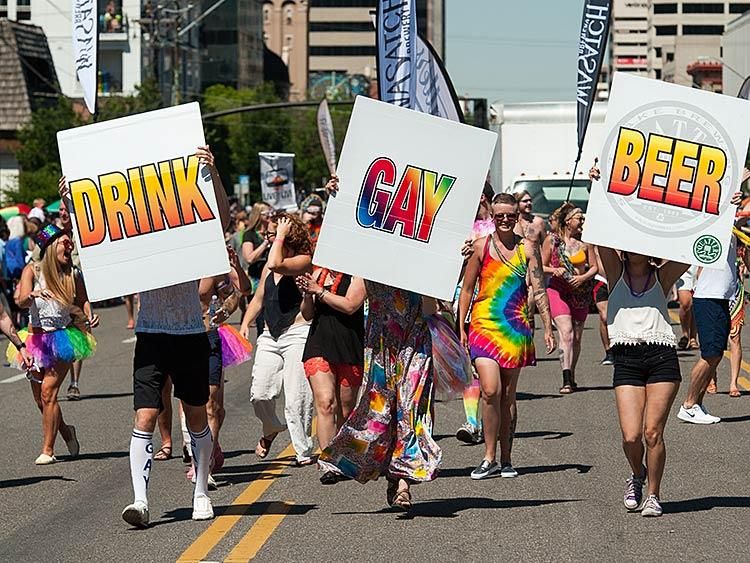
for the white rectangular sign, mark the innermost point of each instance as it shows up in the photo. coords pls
(672, 159)
(277, 180)
(144, 210)
(409, 188)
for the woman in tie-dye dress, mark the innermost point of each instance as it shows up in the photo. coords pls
(389, 433)
(501, 338)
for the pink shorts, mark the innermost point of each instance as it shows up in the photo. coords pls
(347, 375)
(559, 305)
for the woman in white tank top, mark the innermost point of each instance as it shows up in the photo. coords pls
(647, 370)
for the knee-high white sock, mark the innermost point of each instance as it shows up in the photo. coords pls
(202, 445)
(141, 453)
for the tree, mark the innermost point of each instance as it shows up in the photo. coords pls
(38, 156)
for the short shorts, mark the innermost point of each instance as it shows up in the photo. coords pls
(347, 375)
(182, 357)
(643, 364)
(601, 292)
(713, 320)
(559, 306)
(215, 363)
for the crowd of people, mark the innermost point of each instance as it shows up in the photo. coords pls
(370, 359)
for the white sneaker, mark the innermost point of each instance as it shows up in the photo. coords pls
(136, 514)
(696, 415)
(202, 508)
(45, 459)
(715, 418)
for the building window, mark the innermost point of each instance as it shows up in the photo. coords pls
(288, 40)
(703, 8)
(665, 8)
(666, 30)
(739, 8)
(658, 74)
(288, 15)
(267, 13)
(341, 26)
(343, 51)
(657, 50)
(702, 29)
(343, 3)
(670, 57)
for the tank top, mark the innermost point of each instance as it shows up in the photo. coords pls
(281, 303)
(171, 310)
(47, 314)
(638, 320)
(335, 336)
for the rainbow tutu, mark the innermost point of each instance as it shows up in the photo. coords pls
(48, 348)
(450, 362)
(235, 350)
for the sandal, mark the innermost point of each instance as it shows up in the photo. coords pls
(735, 393)
(683, 343)
(391, 491)
(711, 389)
(304, 462)
(164, 453)
(264, 444)
(403, 500)
(693, 344)
(566, 390)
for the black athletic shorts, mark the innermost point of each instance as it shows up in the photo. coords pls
(182, 357)
(215, 363)
(643, 364)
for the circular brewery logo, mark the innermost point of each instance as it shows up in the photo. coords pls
(707, 249)
(680, 121)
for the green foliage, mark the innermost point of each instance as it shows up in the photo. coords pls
(237, 139)
(147, 98)
(38, 157)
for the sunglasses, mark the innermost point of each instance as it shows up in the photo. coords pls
(506, 216)
(270, 234)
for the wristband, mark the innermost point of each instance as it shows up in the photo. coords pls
(20, 346)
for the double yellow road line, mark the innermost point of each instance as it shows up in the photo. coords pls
(259, 532)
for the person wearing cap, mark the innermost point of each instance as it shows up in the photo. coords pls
(58, 332)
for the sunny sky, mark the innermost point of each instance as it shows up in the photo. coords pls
(513, 50)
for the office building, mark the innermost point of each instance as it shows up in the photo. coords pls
(735, 46)
(683, 31)
(628, 47)
(285, 34)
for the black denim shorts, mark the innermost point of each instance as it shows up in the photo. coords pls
(643, 364)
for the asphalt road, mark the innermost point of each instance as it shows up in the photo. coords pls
(566, 505)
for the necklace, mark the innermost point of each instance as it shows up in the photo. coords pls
(519, 271)
(638, 294)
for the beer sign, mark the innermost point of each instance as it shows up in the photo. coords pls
(672, 159)
(143, 207)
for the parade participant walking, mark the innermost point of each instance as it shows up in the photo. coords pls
(470, 431)
(58, 332)
(389, 432)
(500, 337)
(279, 349)
(220, 297)
(570, 265)
(529, 226)
(737, 314)
(172, 342)
(713, 291)
(334, 353)
(647, 370)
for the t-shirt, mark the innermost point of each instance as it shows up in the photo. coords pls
(171, 310)
(719, 284)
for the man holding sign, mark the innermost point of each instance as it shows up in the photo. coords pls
(146, 248)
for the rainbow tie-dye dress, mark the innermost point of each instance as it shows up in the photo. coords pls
(500, 326)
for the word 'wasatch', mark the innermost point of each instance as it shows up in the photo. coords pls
(413, 205)
(145, 199)
(677, 163)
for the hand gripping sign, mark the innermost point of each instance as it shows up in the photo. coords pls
(143, 208)
(409, 188)
(672, 159)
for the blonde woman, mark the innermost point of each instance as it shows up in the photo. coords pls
(58, 332)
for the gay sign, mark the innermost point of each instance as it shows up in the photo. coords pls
(143, 208)
(409, 189)
(672, 159)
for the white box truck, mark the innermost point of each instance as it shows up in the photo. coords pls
(536, 151)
